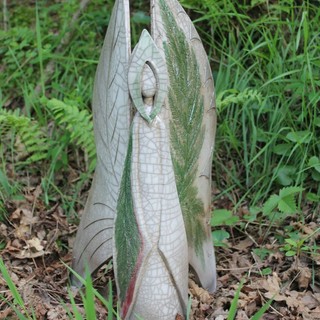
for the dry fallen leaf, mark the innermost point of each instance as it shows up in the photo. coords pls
(304, 278)
(243, 245)
(35, 243)
(202, 294)
(310, 301)
(272, 287)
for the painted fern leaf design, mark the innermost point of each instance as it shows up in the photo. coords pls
(126, 232)
(186, 131)
(190, 109)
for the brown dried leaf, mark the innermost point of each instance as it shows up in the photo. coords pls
(272, 286)
(35, 243)
(22, 232)
(310, 301)
(304, 278)
(200, 293)
(243, 245)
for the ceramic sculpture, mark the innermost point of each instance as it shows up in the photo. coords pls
(149, 204)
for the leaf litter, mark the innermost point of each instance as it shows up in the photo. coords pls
(36, 244)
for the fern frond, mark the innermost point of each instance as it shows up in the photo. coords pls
(30, 133)
(79, 125)
(229, 96)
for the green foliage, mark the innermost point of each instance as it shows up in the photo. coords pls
(186, 106)
(78, 123)
(18, 303)
(284, 202)
(218, 237)
(295, 246)
(88, 299)
(223, 217)
(31, 135)
(267, 93)
(227, 97)
(220, 218)
(233, 307)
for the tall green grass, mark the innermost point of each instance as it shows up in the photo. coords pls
(265, 140)
(266, 66)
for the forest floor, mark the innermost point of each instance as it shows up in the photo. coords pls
(38, 246)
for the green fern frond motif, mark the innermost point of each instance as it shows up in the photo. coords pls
(78, 123)
(126, 230)
(186, 131)
(30, 133)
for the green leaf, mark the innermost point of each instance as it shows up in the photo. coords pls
(287, 204)
(218, 236)
(314, 162)
(290, 253)
(299, 136)
(285, 175)
(313, 197)
(266, 271)
(223, 217)
(262, 253)
(288, 191)
(291, 242)
(270, 204)
(2, 245)
(315, 176)
(282, 149)
(234, 302)
(260, 313)
(317, 121)
(88, 299)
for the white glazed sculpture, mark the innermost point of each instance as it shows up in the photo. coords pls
(111, 117)
(149, 205)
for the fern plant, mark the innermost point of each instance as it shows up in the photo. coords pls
(226, 97)
(78, 123)
(31, 135)
(35, 139)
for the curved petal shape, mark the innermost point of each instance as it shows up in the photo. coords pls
(111, 116)
(192, 119)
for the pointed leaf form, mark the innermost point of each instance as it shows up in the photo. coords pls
(191, 113)
(150, 256)
(111, 111)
